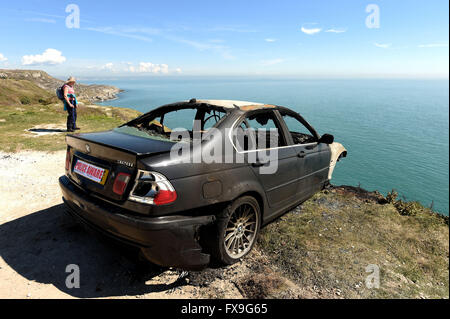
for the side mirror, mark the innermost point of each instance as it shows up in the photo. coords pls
(327, 139)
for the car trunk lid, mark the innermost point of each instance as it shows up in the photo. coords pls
(98, 158)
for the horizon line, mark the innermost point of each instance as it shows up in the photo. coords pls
(253, 75)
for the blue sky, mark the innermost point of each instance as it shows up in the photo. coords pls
(175, 38)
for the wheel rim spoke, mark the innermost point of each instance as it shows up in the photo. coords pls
(230, 242)
(229, 236)
(249, 223)
(234, 244)
(245, 215)
(242, 243)
(240, 230)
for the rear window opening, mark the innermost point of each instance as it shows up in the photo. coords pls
(165, 122)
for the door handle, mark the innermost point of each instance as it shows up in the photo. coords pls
(301, 154)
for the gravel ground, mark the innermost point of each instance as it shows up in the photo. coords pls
(29, 182)
(38, 241)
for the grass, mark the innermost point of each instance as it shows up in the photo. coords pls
(15, 120)
(23, 92)
(24, 105)
(328, 242)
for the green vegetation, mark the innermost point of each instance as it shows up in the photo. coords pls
(25, 100)
(329, 241)
(24, 106)
(23, 92)
(404, 207)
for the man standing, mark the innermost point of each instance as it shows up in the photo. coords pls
(70, 104)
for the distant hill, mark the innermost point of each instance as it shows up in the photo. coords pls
(22, 92)
(17, 80)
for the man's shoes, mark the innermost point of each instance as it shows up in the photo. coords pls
(70, 130)
(77, 128)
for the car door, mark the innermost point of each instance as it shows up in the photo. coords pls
(313, 158)
(274, 162)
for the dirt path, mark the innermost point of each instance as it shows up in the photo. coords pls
(38, 241)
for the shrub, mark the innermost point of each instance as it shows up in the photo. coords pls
(403, 207)
(408, 208)
(391, 197)
(25, 100)
(45, 101)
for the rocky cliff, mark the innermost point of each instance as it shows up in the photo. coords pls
(91, 93)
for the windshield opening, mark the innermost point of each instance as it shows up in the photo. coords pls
(173, 123)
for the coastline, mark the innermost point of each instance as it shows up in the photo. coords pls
(116, 97)
(90, 93)
(318, 250)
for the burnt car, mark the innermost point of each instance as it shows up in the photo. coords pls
(185, 182)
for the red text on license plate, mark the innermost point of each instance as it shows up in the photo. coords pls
(90, 171)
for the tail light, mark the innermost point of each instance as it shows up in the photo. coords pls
(68, 159)
(153, 188)
(120, 183)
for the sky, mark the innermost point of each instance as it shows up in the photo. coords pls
(325, 39)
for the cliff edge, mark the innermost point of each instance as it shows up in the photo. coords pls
(91, 93)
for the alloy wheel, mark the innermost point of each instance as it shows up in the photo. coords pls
(241, 230)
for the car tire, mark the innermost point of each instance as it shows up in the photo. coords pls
(236, 230)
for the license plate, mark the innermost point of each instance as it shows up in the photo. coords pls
(92, 172)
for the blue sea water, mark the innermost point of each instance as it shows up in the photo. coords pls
(396, 131)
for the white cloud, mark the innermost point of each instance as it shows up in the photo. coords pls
(383, 45)
(3, 58)
(311, 31)
(127, 67)
(42, 20)
(49, 57)
(224, 51)
(272, 62)
(148, 67)
(35, 13)
(336, 30)
(108, 66)
(121, 33)
(148, 31)
(141, 34)
(434, 45)
(270, 40)
(239, 29)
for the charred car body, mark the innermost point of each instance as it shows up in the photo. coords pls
(129, 182)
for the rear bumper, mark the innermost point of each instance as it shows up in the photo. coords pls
(170, 241)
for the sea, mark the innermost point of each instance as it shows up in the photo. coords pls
(396, 131)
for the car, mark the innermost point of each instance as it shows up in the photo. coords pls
(194, 181)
